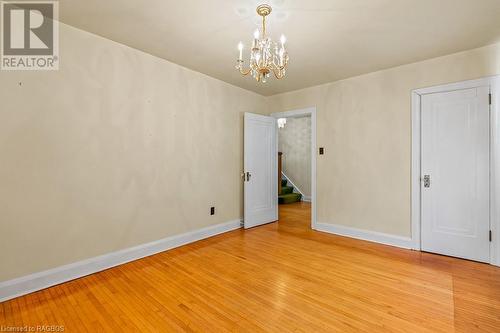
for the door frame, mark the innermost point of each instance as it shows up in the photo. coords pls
(310, 111)
(494, 83)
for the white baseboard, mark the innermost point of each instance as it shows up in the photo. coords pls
(371, 236)
(306, 198)
(41, 280)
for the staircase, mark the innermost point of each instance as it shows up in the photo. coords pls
(287, 195)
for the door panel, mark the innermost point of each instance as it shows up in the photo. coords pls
(455, 170)
(261, 165)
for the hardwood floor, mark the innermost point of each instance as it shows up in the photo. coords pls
(282, 277)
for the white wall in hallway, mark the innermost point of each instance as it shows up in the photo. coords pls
(295, 144)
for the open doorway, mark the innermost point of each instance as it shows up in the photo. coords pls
(296, 138)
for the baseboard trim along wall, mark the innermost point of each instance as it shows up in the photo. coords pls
(371, 236)
(38, 281)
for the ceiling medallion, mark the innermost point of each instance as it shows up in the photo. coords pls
(266, 56)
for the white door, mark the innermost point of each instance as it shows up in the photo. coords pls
(261, 170)
(455, 173)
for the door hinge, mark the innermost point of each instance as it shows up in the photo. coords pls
(490, 98)
(427, 181)
(491, 237)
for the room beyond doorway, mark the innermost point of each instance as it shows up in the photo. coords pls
(294, 147)
(297, 172)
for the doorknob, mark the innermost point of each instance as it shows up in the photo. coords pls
(427, 181)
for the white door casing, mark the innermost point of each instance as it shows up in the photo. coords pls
(455, 154)
(310, 111)
(261, 170)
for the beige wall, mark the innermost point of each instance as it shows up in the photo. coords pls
(295, 144)
(117, 148)
(364, 124)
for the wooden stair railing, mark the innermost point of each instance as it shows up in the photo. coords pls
(279, 172)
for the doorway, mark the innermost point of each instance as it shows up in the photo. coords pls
(454, 180)
(297, 171)
(260, 175)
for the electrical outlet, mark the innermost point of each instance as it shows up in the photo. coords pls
(212, 210)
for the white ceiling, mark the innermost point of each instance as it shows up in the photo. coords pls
(328, 40)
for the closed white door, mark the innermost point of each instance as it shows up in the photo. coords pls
(456, 173)
(261, 170)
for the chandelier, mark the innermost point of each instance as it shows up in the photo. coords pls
(281, 122)
(266, 56)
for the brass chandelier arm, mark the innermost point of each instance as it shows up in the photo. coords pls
(245, 72)
(240, 68)
(278, 73)
(278, 67)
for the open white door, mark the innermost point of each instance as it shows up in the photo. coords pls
(261, 170)
(456, 173)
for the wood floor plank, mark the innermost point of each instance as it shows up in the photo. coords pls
(281, 277)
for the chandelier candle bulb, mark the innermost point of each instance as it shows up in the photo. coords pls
(255, 44)
(240, 48)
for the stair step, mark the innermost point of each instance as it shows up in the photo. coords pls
(283, 182)
(289, 198)
(286, 189)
